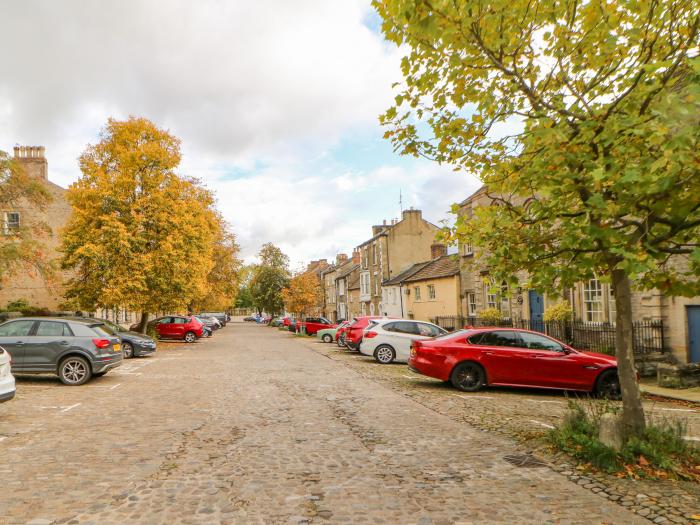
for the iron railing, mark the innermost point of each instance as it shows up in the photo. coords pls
(598, 337)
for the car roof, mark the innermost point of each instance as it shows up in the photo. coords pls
(81, 320)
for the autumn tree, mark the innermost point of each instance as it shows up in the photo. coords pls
(583, 121)
(20, 247)
(222, 280)
(140, 235)
(303, 294)
(269, 278)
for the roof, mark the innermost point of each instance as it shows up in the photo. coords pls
(398, 279)
(445, 266)
(354, 283)
(471, 197)
(347, 271)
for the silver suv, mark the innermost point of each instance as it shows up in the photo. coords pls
(75, 350)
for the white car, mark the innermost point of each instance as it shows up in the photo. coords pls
(7, 380)
(389, 340)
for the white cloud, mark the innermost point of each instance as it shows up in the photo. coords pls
(264, 88)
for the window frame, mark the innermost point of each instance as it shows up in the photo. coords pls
(431, 292)
(7, 227)
(416, 293)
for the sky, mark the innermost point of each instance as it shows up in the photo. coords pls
(276, 104)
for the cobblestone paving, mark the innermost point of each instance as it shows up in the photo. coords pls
(525, 415)
(253, 427)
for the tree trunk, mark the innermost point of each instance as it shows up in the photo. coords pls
(633, 422)
(143, 323)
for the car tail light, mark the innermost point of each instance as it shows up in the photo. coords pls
(101, 343)
(370, 335)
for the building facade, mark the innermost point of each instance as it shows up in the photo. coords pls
(26, 284)
(592, 301)
(347, 273)
(392, 249)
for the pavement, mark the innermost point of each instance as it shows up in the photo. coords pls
(691, 395)
(254, 426)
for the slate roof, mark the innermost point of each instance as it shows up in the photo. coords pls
(347, 271)
(354, 284)
(445, 266)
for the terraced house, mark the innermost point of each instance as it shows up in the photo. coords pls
(346, 273)
(671, 324)
(392, 249)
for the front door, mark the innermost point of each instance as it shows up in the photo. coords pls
(536, 311)
(694, 334)
(49, 340)
(13, 338)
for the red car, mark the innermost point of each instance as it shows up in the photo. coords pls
(314, 324)
(353, 332)
(179, 327)
(472, 359)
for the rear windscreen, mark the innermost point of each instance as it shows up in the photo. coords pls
(103, 330)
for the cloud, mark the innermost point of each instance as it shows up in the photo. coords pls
(276, 103)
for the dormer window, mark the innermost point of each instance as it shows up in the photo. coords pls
(12, 222)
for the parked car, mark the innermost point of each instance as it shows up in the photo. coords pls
(389, 340)
(353, 332)
(249, 319)
(185, 327)
(74, 349)
(7, 380)
(329, 335)
(314, 324)
(211, 323)
(475, 358)
(221, 316)
(134, 344)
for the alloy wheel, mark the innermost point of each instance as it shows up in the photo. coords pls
(190, 337)
(74, 371)
(128, 350)
(609, 386)
(384, 354)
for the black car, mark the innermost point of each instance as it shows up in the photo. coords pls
(74, 349)
(134, 344)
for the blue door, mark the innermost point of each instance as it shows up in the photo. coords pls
(694, 333)
(536, 311)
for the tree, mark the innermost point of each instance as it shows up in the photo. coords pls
(140, 235)
(244, 297)
(222, 281)
(303, 293)
(582, 120)
(19, 247)
(269, 278)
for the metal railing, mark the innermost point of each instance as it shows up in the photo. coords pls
(598, 337)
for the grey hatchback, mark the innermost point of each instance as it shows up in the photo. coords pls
(73, 349)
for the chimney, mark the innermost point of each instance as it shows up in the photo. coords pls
(341, 258)
(376, 230)
(32, 159)
(437, 250)
(356, 256)
(411, 213)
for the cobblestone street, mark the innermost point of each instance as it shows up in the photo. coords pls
(257, 426)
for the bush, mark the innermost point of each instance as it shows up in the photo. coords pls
(561, 311)
(660, 451)
(490, 315)
(17, 306)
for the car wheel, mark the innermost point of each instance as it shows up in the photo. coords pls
(384, 354)
(128, 350)
(190, 337)
(74, 370)
(468, 377)
(608, 385)
(327, 338)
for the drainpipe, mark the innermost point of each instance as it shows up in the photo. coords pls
(401, 299)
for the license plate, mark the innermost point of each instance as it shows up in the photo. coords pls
(117, 347)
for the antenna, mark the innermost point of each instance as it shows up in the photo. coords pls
(400, 202)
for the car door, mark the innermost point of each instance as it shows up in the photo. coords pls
(501, 355)
(399, 335)
(164, 327)
(549, 364)
(45, 344)
(14, 335)
(179, 325)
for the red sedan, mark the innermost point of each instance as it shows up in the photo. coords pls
(472, 359)
(354, 331)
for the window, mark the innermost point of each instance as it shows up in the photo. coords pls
(376, 284)
(431, 291)
(12, 222)
(365, 260)
(471, 304)
(374, 253)
(394, 293)
(593, 301)
(429, 330)
(341, 287)
(364, 284)
(539, 342)
(53, 329)
(371, 308)
(402, 327)
(467, 249)
(491, 296)
(497, 338)
(416, 291)
(16, 328)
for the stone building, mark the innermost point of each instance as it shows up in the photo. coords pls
(26, 284)
(592, 301)
(392, 249)
(346, 273)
